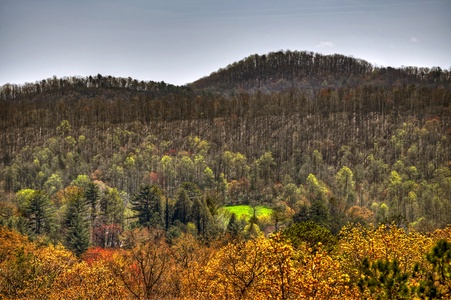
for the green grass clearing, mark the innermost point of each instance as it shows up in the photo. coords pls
(246, 211)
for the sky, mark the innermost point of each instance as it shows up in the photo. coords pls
(180, 41)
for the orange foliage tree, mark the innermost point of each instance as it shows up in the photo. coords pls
(145, 267)
(28, 270)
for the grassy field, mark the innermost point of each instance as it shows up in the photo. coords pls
(246, 211)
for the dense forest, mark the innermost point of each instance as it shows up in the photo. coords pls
(129, 180)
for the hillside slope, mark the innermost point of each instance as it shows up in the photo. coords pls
(289, 128)
(277, 71)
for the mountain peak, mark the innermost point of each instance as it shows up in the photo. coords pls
(280, 70)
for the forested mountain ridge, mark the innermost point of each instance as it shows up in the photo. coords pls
(282, 70)
(132, 177)
(371, 120)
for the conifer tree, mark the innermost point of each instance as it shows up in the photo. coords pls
(77, 222)
(182, 209)
(233, 227)
(37, 209)
(92, 195)
(148, 206)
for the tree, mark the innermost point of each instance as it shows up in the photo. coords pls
(92, 195)
(87, 281)
(387, 243)
(182, 209)
(64, 128)
(234, 227)
(310, 233)
(319, 213)
(346, 185)
(144, 267)
(168, 172)
(201, 216)
(190, 256)
(395, 193)
(280, 214)
(316, 189)
(384, 279)
(37, 209)
(148, 206)
(53, 184)
(235, 271)
(266, 164)
(435, 281)
(76, 221)
(112, 207)
(111, 220)
(28, 271)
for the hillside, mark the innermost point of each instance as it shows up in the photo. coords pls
(278, 71)
(326, 138)
(321, 171)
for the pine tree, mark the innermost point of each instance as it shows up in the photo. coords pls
(77, 222)
(38, 211)
(148, 206)
(319, 213)
(92, 195)
(201, 216)
(437, 282)
(182, 209)
(311, 233)
(234, 227)
(385, 279)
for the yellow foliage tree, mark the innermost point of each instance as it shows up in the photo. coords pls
(28, 270)
(235, 270)
(359, 245)
(190, 258)
(272, 269)
(83, 281)
(145, 269)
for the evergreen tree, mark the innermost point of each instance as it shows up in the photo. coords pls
(319, 213)
(234, 226)
(302, 215)
(385, 279)
(437, 284)
(77, 222)
(148, 206)
(200, 216)
(311, 233)
(92, 196)
(192, 189)
(38, 211)
(182, 209)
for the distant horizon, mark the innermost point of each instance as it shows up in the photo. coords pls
(180, 41)
(375, 65)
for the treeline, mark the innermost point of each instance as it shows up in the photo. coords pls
(65, 85)
(106, 107)
(308, 70)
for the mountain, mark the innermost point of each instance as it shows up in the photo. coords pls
(276, 129)
(277, 71)
(121, 180)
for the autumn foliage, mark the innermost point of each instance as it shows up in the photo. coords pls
(111, 188)
(383, 262)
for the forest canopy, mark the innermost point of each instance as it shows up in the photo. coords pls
(107, 170)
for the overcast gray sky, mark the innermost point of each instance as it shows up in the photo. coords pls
(179, 41)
